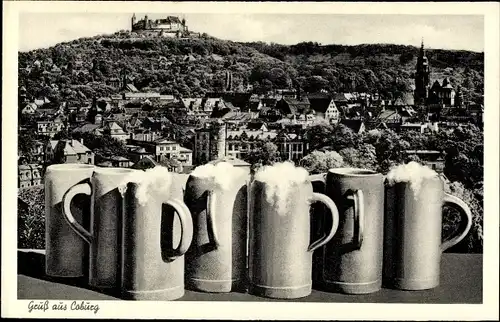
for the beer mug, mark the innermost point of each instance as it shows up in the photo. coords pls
(280, 253)
(155, 221)
(352, 261)
(216, 195)
(66, 254)
(414, 206)
(106, 209)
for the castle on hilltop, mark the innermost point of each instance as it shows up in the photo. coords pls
(170, 26)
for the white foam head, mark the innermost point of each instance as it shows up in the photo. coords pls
(221, 175)
(280, 179)
(413, 173)
(156, 181)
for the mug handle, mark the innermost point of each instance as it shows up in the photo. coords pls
(80, 188)
(212, 226)
(318, 178)
(466, 222)
(359, 216)
(186, 226)
(319, 197)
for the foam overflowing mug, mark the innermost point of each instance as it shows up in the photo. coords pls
(66, 254)
(106, 212)
(280, 253)
(412, 242)
(216, 195)
(157, 231)
(352, 261)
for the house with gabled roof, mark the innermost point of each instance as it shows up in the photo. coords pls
(114, 130)
(163, 147)
(356, 125)
(192, 104)
(293, 106)
(29, 108)
(116, 161)
(95, 129)
(68, 151)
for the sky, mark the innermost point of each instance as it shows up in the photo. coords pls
(41, 30)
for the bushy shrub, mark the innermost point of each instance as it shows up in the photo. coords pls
(319, 162)
(31, 218)
(473, 242)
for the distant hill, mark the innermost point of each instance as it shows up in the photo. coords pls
(77, 70)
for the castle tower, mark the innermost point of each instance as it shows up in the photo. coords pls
(133, 21)
(421, 78)
(218, 140)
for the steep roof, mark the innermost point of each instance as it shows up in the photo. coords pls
(354, 125)
(71, 147)
(87, 128)
(237, 116)
(297, 106)
(192, 103)
(320, 103)
(255, 125)
(131, 87)
(387, 115)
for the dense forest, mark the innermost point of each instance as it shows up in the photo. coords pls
(77, 70)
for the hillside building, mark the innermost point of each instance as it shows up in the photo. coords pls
(163, 148)
(216, 141)
(439, 94)
(171, 26)
(68, 151)
(29, 175)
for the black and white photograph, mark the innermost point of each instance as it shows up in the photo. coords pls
(252, 161)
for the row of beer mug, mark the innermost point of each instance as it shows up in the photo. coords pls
(224, 230)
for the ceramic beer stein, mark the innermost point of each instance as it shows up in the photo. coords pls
(66, 253)
(106, 208)
(413, 223)
(216, 259)
(352, 261)
(280, 253)
(157, 231)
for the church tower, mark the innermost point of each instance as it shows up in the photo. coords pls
(133, 20)
(421, 78)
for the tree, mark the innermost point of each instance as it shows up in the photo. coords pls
(63, 134)
(343, 137)
(319, 136)
(102, 144)
(264, 154)
(26, 144)
(364, 157)
(473, 242)
(320, 162)
(390, 150)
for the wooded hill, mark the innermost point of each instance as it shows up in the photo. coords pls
(76, 71)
